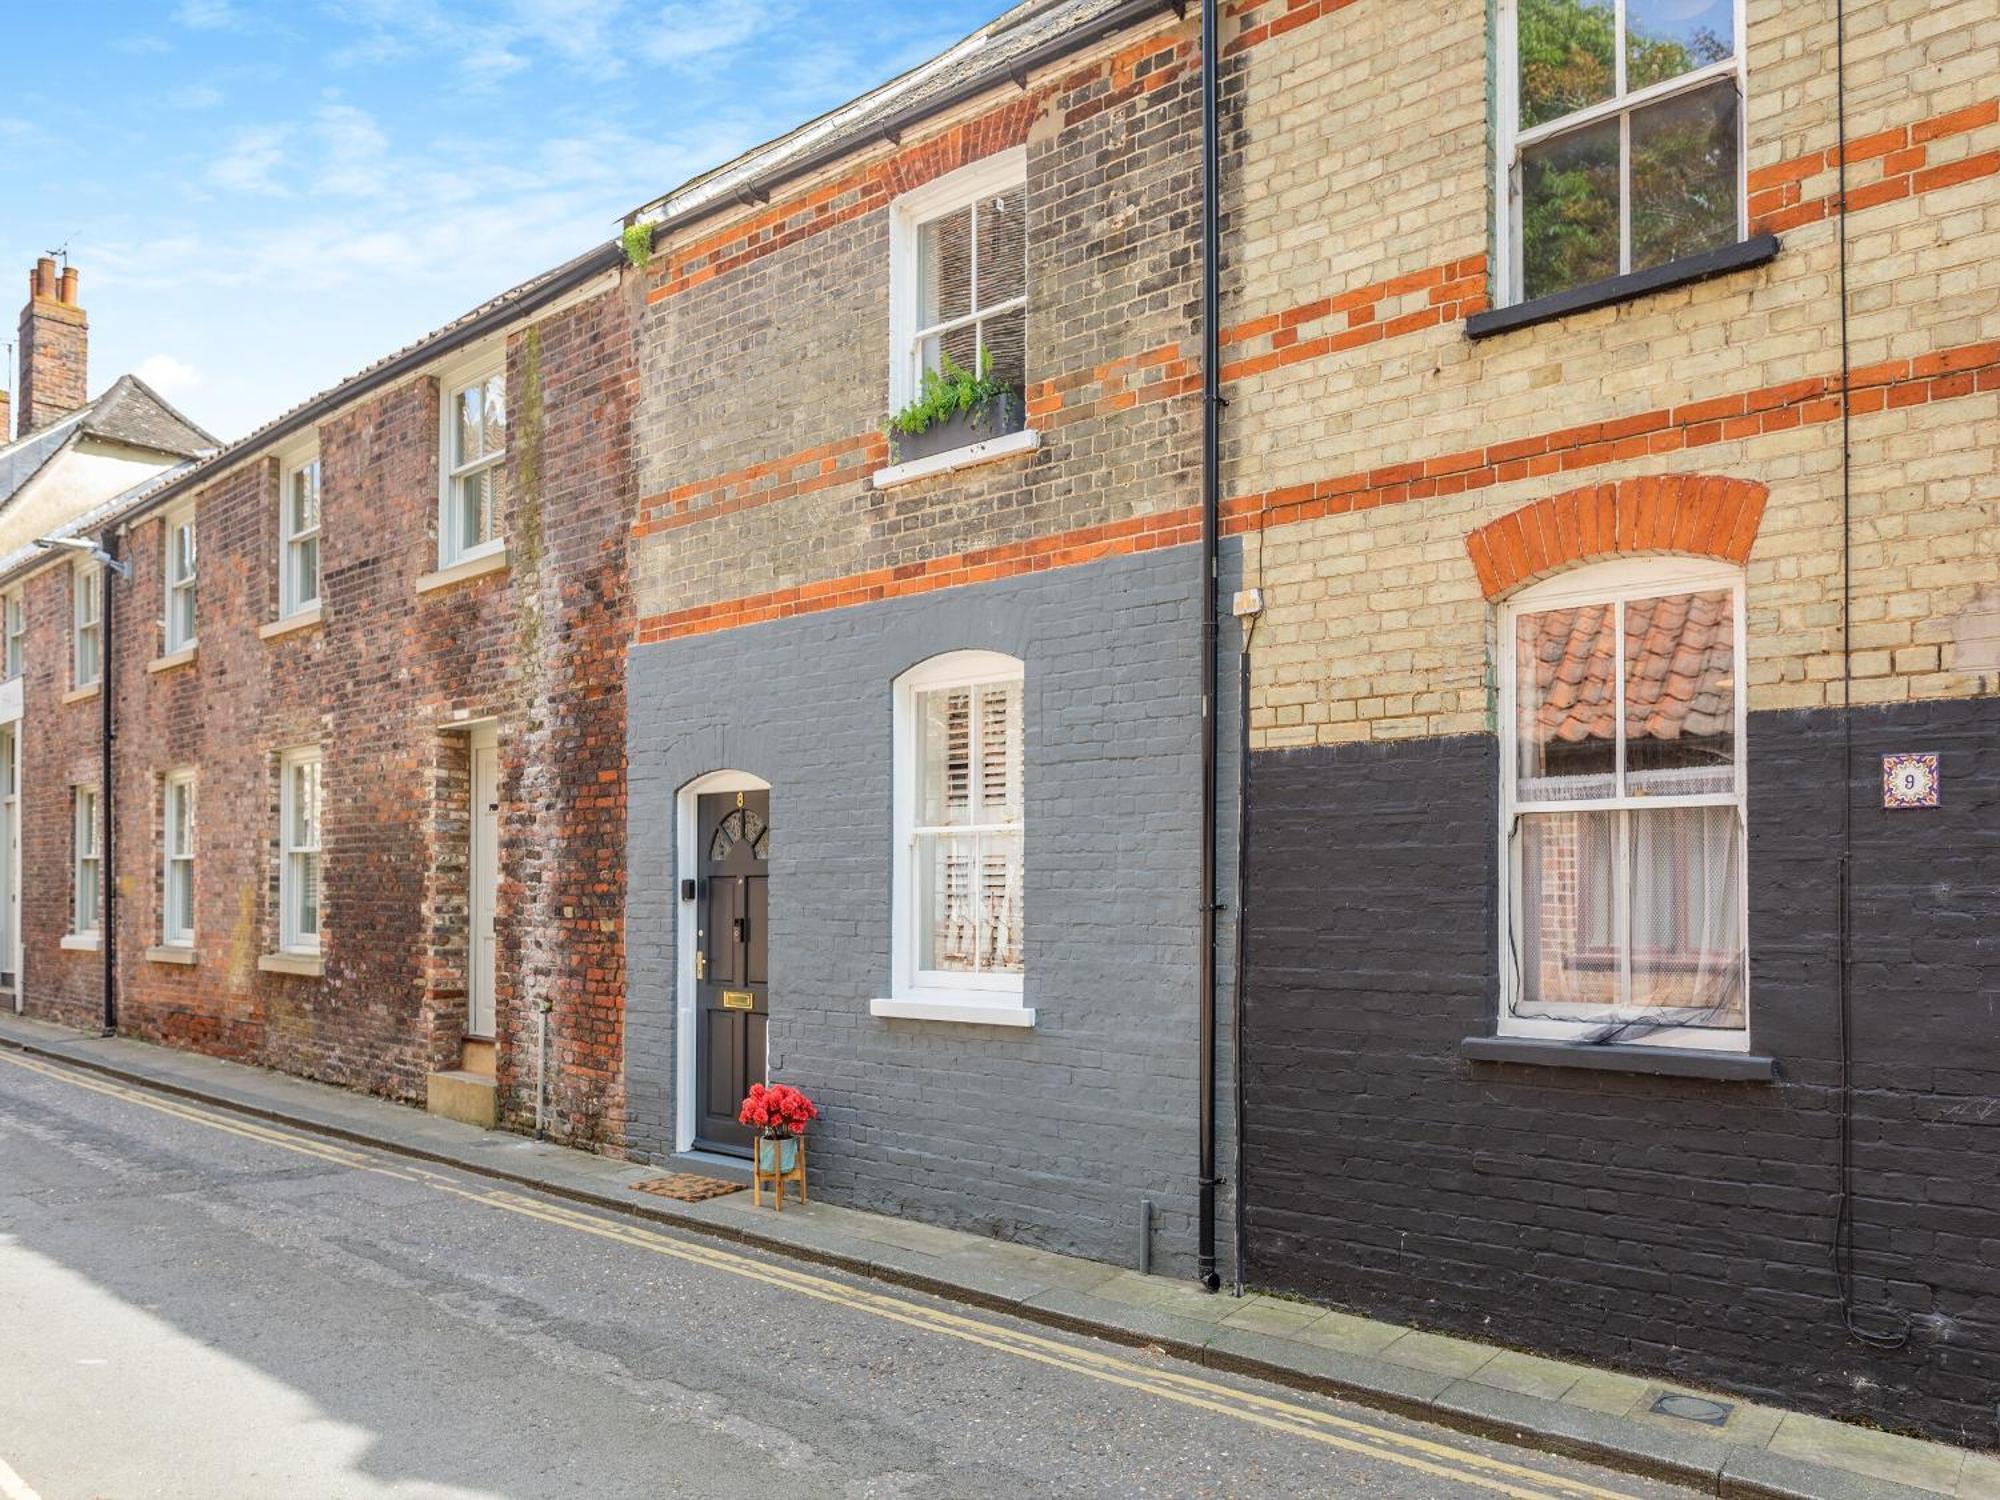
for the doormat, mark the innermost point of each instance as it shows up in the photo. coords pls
(687, 1187)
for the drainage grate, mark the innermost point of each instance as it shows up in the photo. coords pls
(1694, 1409)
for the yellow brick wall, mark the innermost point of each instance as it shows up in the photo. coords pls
(1364, 155)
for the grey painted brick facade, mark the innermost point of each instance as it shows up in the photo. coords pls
(1050, 1136)
(1669, 1224)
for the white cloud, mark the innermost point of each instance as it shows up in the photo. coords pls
(169, 376)
(195, 96)
(356, 152)
(248, 162)
(208, 15)
(684, 31)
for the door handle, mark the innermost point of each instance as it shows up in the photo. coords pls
(701, 966)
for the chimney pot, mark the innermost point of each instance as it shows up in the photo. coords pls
(43, 282)
(69, 285)
(54, 349)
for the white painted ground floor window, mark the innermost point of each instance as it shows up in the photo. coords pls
(86, 883)
(299, 851)
(177, 844)
(960, 850)
(1622, 806)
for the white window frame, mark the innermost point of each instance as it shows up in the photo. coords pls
(1002, 174)
(918, 993)
(1513, 140)
(452, 384)
(290, 891)
(85, 853)
(292, 600)
(86, 587)
(1615, 582)
(180, 587)
(177, 926)
(14, 629)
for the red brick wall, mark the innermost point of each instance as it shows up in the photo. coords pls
(538, 650)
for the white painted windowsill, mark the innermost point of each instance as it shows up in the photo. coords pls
(305, 619)
(171, 953)
(971, 1012)
(81, 942)
(479, 566)
(970, 456)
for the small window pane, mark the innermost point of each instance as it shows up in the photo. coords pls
(305, 583)
(1687, 927)
(999, 753)
(467, 415)
(1003, 248)
(1004, 341)
(475, 508)
(1680, 694)
(1000, 902)
(949, 940)
(1565, 922)
(944, 268)
(945, 720)
(493, 417)
(960, 346)
(1666, 38)
(1684, 175)
(305, 499)
(1569, 210)
(1566, 708)
(1567, 49)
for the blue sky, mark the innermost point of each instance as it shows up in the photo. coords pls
(261, 198)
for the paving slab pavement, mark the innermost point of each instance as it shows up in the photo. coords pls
(1550, 1404)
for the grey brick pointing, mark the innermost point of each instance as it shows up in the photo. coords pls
(1050, 1136)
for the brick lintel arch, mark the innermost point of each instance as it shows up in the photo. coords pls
(1703, 514)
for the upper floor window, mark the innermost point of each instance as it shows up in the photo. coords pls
(86, 624)
(298, 538)
(85, 884)
(298, 849)
(959, 276)
(960, 860)
(1622, 825)
(177, 898)
(474, 467)
(14, 648)
(1621, 137)
(180, 581)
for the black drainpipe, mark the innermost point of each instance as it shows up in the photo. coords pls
(1211, 447)
(107, 877)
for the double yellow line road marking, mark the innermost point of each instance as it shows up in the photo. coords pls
(1407, 1450)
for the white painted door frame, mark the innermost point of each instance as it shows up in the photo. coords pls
(482, 880)
(687, 866)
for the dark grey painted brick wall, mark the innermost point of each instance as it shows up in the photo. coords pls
(1664, 1224)
(1049, 1136)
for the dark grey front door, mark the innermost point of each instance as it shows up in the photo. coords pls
(730, 949)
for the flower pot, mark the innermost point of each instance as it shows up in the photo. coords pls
(779, 1156)
(990, 419)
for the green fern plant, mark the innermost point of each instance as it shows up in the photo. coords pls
(638, 241)
(947, 391)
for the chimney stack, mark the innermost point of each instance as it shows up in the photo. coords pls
(55, 347)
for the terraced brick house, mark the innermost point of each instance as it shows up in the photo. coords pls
(1614, 412)
(323, 767)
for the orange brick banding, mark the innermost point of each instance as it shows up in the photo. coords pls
(1263, 19)
(1938, 376)
(1705, 514)
(826, 466)
(1777, 192)
(1450, 292)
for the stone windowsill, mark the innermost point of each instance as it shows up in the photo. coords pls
(1662, 1062)
(171, 953)
(82, 942)
(306, 619)
(308, 965)
(495, 561)
(80, 695)
(971, 1012)
(970, 456)
(181, 658)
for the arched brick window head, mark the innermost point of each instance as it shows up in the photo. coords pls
(1704, 515)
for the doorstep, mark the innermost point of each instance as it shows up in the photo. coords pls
(1578, 1409)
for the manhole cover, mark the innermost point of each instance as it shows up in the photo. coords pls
(1694, 1409)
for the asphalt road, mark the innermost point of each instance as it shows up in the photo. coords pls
(195, 1304)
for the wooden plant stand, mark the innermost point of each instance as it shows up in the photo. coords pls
(776, 1172)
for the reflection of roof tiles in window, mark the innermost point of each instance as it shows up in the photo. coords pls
(1680, 657)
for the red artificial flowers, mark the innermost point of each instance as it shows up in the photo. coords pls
(777, 1109)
